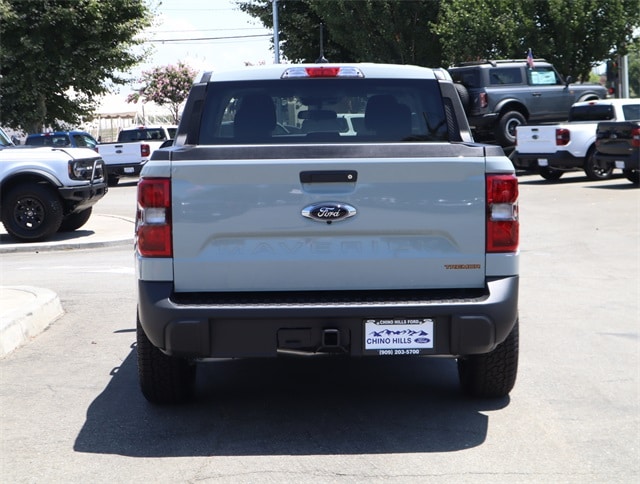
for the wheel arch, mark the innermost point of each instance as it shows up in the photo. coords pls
(29, 177)
(590, 96)
(512, 105)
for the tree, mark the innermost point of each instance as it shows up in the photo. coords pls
(574, 35)
(299, 29)
(383, 30)
(354, 30)
(166, 86)
(57, 57)
(479, 29)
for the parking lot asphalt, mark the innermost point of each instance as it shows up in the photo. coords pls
(25, 311)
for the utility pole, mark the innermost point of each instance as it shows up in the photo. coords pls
(623, 63)
(276, 37)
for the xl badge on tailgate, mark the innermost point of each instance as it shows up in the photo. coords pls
(328, 211)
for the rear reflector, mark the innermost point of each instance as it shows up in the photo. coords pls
(503, 226)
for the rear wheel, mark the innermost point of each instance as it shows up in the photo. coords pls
(506, 127)
(593, 169)
(493, 374)
(549, 173)
(163, 378)
(76, 220)
(463, 93)
(31, 212)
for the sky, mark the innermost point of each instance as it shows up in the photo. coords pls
(228, 39)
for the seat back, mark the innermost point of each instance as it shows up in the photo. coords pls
(386, 118)
(255, 119)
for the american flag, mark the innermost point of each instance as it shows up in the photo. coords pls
(530, 58)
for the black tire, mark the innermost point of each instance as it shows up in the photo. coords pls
(463, 93)
(112, 180)
(593, 169)
(31, 212)
(506, 128)
(76, 220)
(549, 173)
(492, 375)
(632, 175)
(163, 379)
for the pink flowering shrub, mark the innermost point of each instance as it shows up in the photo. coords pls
(165, 86)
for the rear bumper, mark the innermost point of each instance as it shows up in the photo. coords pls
(260, 325)
(630, 161)
(126, 169)
(483, 121)
(559, 159)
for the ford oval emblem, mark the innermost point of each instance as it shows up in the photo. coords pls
(328, 212)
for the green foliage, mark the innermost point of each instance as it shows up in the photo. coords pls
(574, 35)
(354, 30)
(166, 86)
(58, 56)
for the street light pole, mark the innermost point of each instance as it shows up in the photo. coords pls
(276, 39)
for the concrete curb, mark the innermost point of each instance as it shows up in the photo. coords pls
(100, 231)
(26, 312)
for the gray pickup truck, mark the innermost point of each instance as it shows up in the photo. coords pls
(267, 229)
(501, 95)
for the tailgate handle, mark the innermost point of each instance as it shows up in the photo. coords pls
(335, 176)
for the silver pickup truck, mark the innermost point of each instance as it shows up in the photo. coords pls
(267, 229)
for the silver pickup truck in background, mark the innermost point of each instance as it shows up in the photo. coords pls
(267, 229)
(134, 148)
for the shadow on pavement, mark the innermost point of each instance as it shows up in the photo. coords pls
(309, 406)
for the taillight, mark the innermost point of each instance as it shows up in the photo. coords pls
(484, 102)
(153, 218)
(635, 137)
(145, 150)
(503, 227)
(563, 136)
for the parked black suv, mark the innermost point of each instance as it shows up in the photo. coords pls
(502, 94)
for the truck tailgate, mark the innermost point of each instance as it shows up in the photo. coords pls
(238, 222)
(616, 138)
(536, 139)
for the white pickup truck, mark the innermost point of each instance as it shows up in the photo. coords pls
(399, 239)
(134, 148)
(557, 148)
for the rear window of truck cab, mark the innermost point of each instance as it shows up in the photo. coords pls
(323, 110)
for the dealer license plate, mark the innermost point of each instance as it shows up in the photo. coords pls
(128, 170)
(398, 336)
(543, 162)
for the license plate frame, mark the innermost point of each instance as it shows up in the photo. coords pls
(398, 336)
